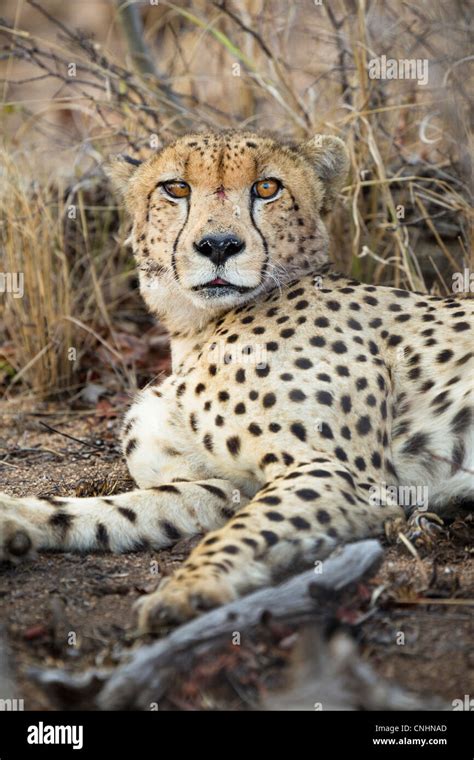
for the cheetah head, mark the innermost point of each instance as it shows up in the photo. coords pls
(218, 218)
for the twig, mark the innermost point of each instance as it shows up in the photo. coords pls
(26, 450)
(222, 7)
(343, 53)
(9, 464)
(71, 437)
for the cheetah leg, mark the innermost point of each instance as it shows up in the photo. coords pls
(156, 516)
(293, 521)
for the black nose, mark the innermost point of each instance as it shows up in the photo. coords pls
(219, 248)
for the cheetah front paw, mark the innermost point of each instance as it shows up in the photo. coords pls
(18, 540)
(424, 528)
(179, 599)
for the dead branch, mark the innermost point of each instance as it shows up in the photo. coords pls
(151, 669)
(132, 27)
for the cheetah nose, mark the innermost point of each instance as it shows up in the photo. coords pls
(219, 248)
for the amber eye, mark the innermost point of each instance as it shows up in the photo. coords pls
(266, 188)
(177, 188)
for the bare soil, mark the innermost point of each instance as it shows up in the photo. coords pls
(75, 611)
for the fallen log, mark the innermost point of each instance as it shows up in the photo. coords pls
(143, 680)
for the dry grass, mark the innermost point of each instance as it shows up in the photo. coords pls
(404, 217)
(33, 245)
(74, 269)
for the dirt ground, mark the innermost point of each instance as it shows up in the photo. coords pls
(75, 612)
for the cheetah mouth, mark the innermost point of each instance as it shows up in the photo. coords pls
(219, 287)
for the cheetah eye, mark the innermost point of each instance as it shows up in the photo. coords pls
(177, 188)
(266, 188)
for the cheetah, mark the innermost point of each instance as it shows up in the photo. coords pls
(300, 399)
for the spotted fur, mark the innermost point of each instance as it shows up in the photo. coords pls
(295, 390)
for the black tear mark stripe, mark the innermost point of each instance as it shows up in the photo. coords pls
(149, 197)
(262, 236)
(175, 244)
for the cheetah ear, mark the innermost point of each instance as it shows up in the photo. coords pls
(330, 160)
(120, 170)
